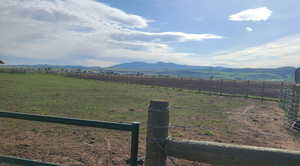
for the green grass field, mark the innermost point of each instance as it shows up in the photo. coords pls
(205, 117)
(90, 99)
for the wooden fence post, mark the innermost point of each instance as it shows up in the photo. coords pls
(157, 133)
(247, 89)
(211, 88)
(221, 87)
(263, 91)
(286, 98)
(297, 100)
(281, 92)
(293, 105)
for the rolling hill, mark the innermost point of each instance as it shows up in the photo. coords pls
(172, 69)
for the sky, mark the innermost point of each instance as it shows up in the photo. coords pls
(231, 33)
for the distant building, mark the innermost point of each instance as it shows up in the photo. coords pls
(297, 76)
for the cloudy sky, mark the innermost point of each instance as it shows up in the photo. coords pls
(231, 33)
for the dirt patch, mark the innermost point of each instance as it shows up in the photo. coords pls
(263, 125)
(76, 147)
(255, 124)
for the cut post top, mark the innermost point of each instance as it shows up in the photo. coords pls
(159, 104)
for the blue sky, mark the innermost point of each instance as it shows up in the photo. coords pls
(232, 33)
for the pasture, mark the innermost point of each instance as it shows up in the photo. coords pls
(193, 116)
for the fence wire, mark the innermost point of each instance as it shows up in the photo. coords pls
(246, 115)
(289, 102)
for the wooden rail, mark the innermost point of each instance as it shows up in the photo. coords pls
(232, 155)
(159, 146)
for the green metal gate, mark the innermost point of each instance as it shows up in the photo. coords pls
(131, 127)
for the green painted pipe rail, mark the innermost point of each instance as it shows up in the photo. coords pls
(68, 121)
(26, 162)
(133, 128)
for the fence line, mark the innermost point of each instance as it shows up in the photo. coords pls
(290, 101)
(262, 90)
(159, 146)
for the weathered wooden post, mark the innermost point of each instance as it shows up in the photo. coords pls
(297, 101)
(221, 87)
(281, 92)
(157, 132)
(293, 113)
(297, 93)
(247, 89)
(263, 91)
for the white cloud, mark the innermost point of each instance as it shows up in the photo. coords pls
(282, 52)
(162, 37)
(257, 14)
(88, 12)
(249, 29)
(83, 32)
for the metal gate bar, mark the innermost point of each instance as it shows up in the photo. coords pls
(132, 127)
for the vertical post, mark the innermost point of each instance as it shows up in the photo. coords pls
(286, 97)
(157, 132)
(292, 108)
(263, 91)
(199, 89)
(248, 88)
(221, 85)
(281, 93)
(234, 88)
(297, 102)
(134, 144)
(211, 89)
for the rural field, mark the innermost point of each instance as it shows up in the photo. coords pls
(193, 116)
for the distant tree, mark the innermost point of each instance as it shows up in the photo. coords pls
(1, 62)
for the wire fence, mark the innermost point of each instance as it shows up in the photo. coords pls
(262, 90)
(164, 150)
(289, 102)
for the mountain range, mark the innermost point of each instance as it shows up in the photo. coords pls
(172, 69)
(177, 70)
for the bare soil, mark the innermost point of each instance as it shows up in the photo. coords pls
(257, 125)
(263, 125)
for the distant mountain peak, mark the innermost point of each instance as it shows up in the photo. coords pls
(155, 66)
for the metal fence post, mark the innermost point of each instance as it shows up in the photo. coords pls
(157, 132)
(134, 144)
(296, 100)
